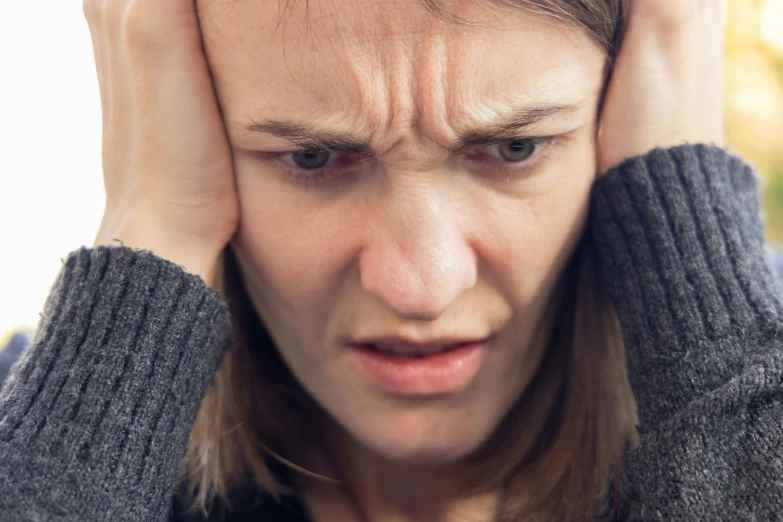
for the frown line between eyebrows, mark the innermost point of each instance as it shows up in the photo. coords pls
(310, 136)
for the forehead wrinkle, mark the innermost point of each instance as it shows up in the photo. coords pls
(558, 83)
(393, 88)
(368, 84)
(458, 90)
(432, 90)
(397, 71)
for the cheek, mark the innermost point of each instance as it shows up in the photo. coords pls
(532, 233)
(295, 247)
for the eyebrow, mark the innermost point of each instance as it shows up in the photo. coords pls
(504, 128)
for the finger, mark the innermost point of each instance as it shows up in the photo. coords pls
(671, 14)
(93, 12)
(158, 29)
(117, 131)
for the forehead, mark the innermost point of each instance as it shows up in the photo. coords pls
(371, 64)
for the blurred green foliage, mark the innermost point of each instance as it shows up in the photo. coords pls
(753, 92)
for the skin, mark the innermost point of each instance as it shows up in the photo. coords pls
(416, 241)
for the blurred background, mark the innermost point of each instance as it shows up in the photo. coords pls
(51, 194)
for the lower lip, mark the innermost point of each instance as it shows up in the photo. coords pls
(436, 374)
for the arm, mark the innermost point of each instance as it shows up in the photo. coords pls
(681, 247)
(95, 418)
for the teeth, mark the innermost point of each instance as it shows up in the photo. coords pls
(407, 351)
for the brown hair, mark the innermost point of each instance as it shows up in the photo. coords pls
(556, 456)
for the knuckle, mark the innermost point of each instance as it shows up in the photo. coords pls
(140, 25)
(93, 11)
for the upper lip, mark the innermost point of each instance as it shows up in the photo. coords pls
(408, 344)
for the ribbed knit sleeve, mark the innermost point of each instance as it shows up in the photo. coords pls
(681, 248)
(95, 418)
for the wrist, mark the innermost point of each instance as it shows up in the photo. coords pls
(188, 254)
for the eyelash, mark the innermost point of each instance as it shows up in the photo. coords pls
(543, 144)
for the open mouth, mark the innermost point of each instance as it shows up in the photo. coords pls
(406, 352)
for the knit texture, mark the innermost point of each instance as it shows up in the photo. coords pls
(681, 247)
(95, 418)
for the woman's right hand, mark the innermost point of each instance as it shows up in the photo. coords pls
(167, 163)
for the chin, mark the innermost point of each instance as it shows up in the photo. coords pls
(429, 440)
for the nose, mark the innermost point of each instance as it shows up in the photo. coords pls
(416, 259)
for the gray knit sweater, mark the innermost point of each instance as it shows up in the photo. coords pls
(96, 415)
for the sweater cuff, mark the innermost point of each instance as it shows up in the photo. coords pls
(126, 349)
(680, 242)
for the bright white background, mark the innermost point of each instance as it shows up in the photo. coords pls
(51, 187)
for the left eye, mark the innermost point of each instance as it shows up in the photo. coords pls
(516, 151)
(311, 159)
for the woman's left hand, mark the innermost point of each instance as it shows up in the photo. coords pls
(666, 88)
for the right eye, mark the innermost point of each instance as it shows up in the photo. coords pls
(311, 159)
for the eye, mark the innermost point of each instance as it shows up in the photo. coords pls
(521, 151)
(516, 158)
(310, 167)
(516, 151)
(311, 159)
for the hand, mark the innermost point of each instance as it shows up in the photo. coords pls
(666, 86)
(167, 163)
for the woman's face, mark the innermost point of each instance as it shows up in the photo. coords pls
(433, 215)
